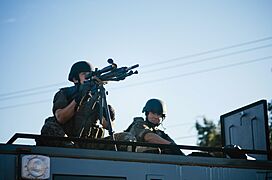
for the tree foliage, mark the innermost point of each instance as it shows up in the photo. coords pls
(209, 134)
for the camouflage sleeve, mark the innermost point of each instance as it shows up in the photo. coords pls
(60, 101)
(139, 130)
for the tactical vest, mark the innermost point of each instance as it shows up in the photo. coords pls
(83, 123)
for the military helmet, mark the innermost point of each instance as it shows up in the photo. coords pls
(78, 67)
(156, 106)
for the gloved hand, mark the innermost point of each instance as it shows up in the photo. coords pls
(82, 90)
(172, 150)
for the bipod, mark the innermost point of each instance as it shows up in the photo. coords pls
(103, 107)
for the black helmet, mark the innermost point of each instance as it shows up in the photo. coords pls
(78, 67)
(156, 106)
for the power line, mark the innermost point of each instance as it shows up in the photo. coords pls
(31, 89)
(157, 63)
(206, 59)
(170, 77)
(177, 125)
(209, 51)
(24, 104)
(185, 137)
(195, 72)
(25, 95)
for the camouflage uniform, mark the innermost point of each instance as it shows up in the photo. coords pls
(122, 136)
(139, 128)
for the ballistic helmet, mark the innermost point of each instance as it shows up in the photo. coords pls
(78, 67)
(156, 106)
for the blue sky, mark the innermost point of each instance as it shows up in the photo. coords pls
(203, 58)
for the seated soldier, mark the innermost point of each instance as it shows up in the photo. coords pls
(146, 130)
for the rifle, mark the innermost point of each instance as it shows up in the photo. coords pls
(96, 80)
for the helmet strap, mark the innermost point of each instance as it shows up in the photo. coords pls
(162, 126)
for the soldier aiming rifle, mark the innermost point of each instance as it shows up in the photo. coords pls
(78, 109)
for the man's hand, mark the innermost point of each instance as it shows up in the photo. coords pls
(82, 90)
(172, 150)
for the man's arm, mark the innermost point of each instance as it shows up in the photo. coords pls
(63, 108)
(154, 138)
(66, 113)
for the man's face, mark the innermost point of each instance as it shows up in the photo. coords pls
(82, 76)
(154, 118)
